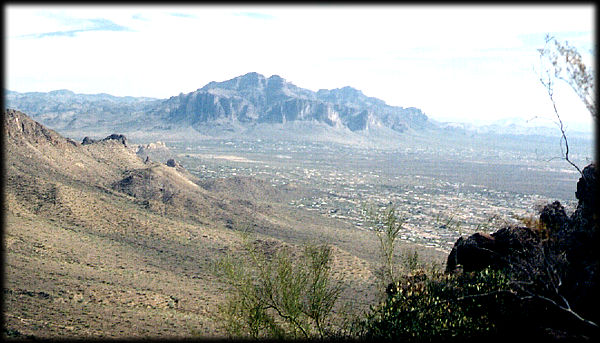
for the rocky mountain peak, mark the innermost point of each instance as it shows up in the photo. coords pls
(349, 96)
(276, 79)
(244, 82)
(251, 98)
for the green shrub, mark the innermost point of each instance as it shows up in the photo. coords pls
(387, 225)
(429, 306)
(279, 296)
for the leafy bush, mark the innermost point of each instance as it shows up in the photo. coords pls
(428, 306)
(279, 296)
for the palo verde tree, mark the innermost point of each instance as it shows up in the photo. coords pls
(387, 226)
(279, 295)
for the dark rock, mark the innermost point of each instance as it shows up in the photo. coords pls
(472, 253)
(497, 250)
(72, 142)
(587, 186)
(171, 163)
(116, 137)
(579, 243)
(586, 214)
(553, 216)
(88, 140)
(558, 262)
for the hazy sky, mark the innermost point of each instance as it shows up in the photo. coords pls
(455, 63)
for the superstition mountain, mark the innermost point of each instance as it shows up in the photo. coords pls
(243, 101)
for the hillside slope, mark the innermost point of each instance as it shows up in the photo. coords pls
(101, 244)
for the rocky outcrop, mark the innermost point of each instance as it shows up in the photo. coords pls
(114, 137)
(497, 250)
(556, 261)
(577, 239)
(88, 140)
(158, 145)
(118, 138)
(574, 235)
(19, 127)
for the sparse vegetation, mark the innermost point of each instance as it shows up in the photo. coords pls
(424, 304)
(387, 225)
(279, 295)
(163, 240)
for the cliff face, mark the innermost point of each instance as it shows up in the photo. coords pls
(254, 98)
(249, 99)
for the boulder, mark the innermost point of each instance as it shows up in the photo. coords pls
(497, 250)
(172, 163)
(554, 217)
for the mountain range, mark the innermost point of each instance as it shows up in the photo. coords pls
(253, 105)
(244, 101)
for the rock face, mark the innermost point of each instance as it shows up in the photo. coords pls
(248, 99)
(254, 98)
(561, 257)
(244, 100)
(88, 140)
(497, 250)
(118, 138)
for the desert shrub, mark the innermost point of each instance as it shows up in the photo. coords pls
(430, 306)
(280, 296)
(387, 225)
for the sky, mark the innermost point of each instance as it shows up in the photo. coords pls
(455, 63)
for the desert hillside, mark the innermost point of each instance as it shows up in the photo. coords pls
(100, 243)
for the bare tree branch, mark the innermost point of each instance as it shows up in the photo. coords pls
(579, 77)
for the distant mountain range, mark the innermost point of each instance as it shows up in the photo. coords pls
(249, 99)
(519, 126)
(243, 105)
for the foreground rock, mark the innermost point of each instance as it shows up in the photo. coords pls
(555, 266)
(497, 250)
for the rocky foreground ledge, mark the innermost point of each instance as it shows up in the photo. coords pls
(555, 261)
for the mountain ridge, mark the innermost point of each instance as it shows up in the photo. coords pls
(248, 99)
